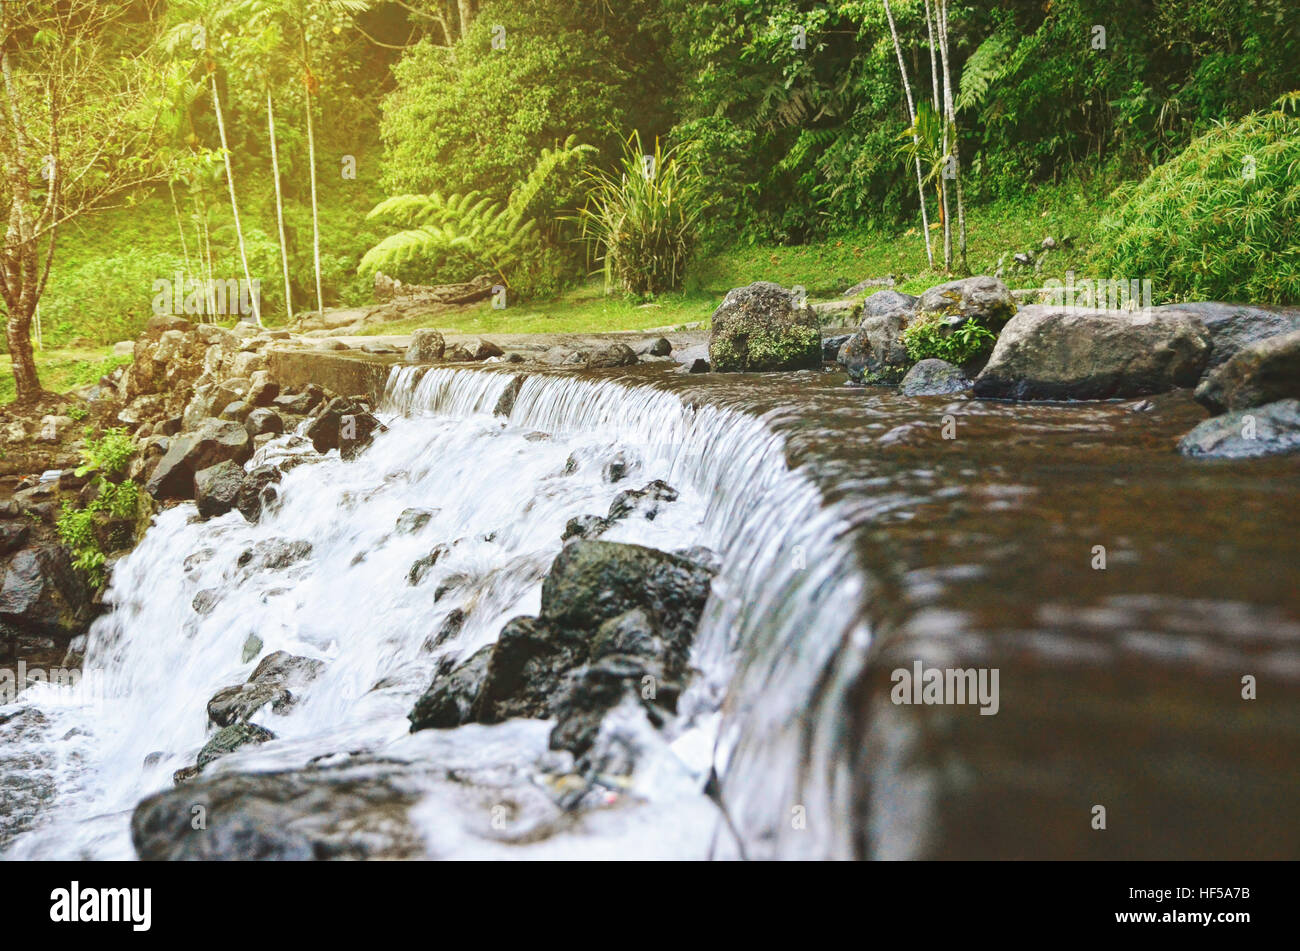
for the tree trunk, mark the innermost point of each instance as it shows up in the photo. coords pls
(18, 330)
(911, 114)
(315, 211)
(279, 207)
(465, 9)
(950, 113)
(234, 205)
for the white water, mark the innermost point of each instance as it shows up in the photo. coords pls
(782, 604)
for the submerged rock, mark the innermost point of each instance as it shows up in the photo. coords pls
(258, 492)
(1047, 352)
(1263, 372)
(1245, 433)
(760, 328)
(612, 615)
(934, 378)
(228, 739)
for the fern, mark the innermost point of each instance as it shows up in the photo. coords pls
(988, 64)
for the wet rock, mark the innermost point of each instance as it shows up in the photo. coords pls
(875, 352)
(206, 601)
(1262, 372)
(212, 443)
(449, 629)
(449, 701)
(263, 421)
(216, 488)
(1246, 433)
(1233, 327)
(644, 500)
(617, 469)
(831, 346)
(269, 683)
(759, 328)
(601, 601)
(983, 299)
(345, 425)
(228, 739)
(258, 492)
(413, 519)
(591, 691)
(427, 346)
(934, 378)
(297, 815)
(273, 554)
(585, 526)
(421, 566)
(1049, 352)
(42, 592)
(506, 402)
(480, 349)
(659, 347)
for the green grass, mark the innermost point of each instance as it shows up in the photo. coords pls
(63, 370)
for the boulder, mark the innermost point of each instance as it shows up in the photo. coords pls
(264, 421)
(760, 328)
(981, 298)
(449, 701)
(1245, 433)
(611, 355)
(258, 492)
(269, 683)
(934, 378)
(344, 425)
(1233, 327)
(1062, 353)
(43, 593)
(875, 352)
(228, 739)
(1262, 372)
(480, 349)
(427, 346)
(213, 442)
(216, 488)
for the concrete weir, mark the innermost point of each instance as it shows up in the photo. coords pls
(351, 372)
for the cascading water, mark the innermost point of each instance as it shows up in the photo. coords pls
(324, 575)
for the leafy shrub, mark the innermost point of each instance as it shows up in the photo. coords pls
(107, 454)
(1219, 221)
(454, 238)
(643, 221)
(929, 338)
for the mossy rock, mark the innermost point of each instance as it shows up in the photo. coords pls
(761, 328)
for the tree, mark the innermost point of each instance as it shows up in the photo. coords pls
(911, 114)
(79, 101)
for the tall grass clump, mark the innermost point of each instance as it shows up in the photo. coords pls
(642, 220)
(1221, 221)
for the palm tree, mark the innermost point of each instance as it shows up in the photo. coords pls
(950, 114)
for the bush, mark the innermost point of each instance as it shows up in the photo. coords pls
(1219, 221)
(929, 338)
(642, 222)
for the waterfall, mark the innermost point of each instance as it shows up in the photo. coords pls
(498, 491)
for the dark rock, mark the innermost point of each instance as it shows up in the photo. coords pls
(759, 327)
(228, 739)
(427, 346)
(258, 492)
(934, 378)
(449, 701)
(585, 526)
(269, 683)
(237, 411)
(1246, 433)
(13, 535)
(294, 815)
(506, 402)
(216, 488)
(273, 554)
(264, 420)
(212, 443)
(659, 347)
(480, 349)
(831, 346)
(611, 355)
(1262, 372)
(617, 468)
(345, 425)
(644, 500)
(1049, 352)
(43, 593)
(263, 392)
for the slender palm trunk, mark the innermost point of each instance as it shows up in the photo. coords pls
(234, 204)
(279, 207)
(911, 114)
(950, 113)
(311, 161)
